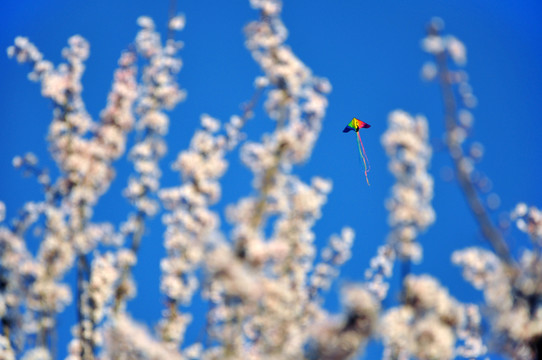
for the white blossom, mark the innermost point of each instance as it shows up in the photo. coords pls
(177, 23)
(429, 71)
(456, 49)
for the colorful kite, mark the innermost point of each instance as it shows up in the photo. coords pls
(355, 125)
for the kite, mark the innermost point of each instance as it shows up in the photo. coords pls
(355, 125)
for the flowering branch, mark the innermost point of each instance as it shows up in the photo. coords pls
(437, 45)
(512, 300)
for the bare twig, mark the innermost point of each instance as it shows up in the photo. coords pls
(82, 269)
(172, 12)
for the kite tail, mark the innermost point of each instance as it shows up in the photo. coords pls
(363, 148)
(363, 158)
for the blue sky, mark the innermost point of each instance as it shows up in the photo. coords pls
(369, 50)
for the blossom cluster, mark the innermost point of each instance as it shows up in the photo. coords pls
(428, 323)
(529, 221)
(263, 282)
(345, 337)
(512, 297)
(260, 286)
(159, 91)
(406, 143)
(190, 224)
(84, 151)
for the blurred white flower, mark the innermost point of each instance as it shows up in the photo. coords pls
(177, 22)
(456, 49)
(429, 71)
(433, 44)
(145, 22)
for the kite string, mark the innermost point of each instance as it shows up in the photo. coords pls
(363, 158)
